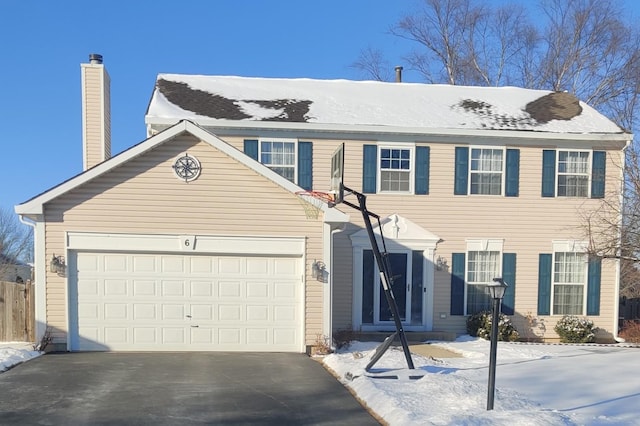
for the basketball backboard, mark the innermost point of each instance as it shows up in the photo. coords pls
(337, 174)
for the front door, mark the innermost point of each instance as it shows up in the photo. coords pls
(406, 284)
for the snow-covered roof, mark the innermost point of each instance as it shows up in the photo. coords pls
(219, 100)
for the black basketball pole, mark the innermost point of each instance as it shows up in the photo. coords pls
(385, 273)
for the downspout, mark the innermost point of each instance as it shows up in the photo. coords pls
(39, 276)
(616, 305)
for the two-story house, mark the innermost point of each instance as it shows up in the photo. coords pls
(197, 239)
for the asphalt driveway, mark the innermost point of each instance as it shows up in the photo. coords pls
(176, 389)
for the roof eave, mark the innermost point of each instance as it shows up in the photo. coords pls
(396, 130)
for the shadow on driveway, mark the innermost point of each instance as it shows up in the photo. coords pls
(176, 388)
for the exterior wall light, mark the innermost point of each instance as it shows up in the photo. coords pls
(318, 270)
(58, 265)
(441, 264)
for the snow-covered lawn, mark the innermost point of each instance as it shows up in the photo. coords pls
(536, 384)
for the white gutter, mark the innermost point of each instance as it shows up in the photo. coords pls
(422, 132)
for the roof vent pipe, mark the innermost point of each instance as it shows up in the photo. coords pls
(398, 74)
(95, 58)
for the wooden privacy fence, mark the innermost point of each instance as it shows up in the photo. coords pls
(17, 314)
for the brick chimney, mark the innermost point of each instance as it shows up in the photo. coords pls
(96, 112)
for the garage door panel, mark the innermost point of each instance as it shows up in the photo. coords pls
(257, 313)
(143, 288)
(115, 287)
(117, 335)
(145, 335)
(173, 264)
(115, 263)
(229, 312)
(179, 302)
(115, 311)
(202, 288)
(144, 311)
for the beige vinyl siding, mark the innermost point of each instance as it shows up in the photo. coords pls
(97, 114)
(527, 223)
(144, 196)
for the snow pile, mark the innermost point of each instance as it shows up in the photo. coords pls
(14, 353)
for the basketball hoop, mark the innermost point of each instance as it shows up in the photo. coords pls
(312, 202)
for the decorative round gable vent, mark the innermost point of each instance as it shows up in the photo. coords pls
(187, 168)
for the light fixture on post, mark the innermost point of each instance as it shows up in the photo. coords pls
(58, 265)
(318, 268)
(496, 291)
(441, 264)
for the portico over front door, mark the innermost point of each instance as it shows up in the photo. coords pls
(410, 260)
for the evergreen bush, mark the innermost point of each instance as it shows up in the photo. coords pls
(479, 325)
(573, 329)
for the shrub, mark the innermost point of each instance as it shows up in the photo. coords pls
(479, 325)
(630, 331)
(573, 329)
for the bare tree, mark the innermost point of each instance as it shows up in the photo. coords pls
(372, 63)
(16, 241)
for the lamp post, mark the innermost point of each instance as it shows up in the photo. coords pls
(497, 293)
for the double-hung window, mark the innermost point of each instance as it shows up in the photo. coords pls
(573, 173)
(486, 171)
(569, 282)
(279, 156)
(396, 171)
(483, 265)
(482, 268)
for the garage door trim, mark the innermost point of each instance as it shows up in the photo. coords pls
(274, 246)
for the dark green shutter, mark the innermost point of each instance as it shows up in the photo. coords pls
(368, 288)
(422, 170)
(598, 173)
(369, 168)
(457, 283)
(593, 287)
(548, 173)
(461, 183)
(509, 277)
(305, 165)
(251, 148)
(544, 284)
(512, 180)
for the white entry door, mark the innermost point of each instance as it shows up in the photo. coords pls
(167, 302)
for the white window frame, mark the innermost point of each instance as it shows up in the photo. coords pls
(481, 245)
(569, 246)
(411, 171)
(587, 174)
(295, 154)
(502, 171)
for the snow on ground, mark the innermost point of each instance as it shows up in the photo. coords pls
(536, 384)
(12, 353)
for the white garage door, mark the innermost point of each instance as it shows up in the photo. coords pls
(167, 302)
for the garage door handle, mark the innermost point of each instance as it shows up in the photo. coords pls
(195, 326)
(188, 316)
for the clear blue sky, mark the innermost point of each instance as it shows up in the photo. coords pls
(43, 42)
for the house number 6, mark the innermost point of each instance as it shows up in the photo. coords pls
(188, 242)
